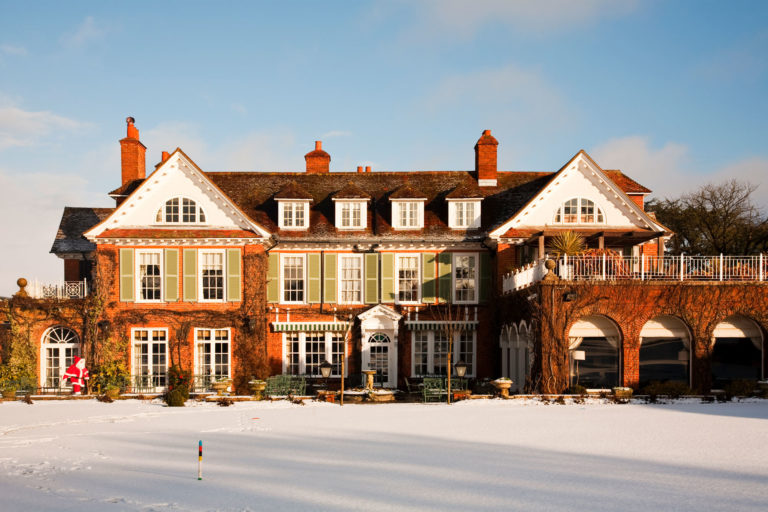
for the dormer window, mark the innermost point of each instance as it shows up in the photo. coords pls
(463, 214)
(293, 214)
(408, 214)
(180, 210)
(579, 210)
(351, 214)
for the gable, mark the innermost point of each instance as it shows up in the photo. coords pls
(580, 178)
(177, 177)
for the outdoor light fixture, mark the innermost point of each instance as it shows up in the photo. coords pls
(325, 370)
(461, 370)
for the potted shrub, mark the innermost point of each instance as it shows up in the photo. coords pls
(257, 388)
(622, 392)
(220, 386)
(111, 378)
(8, 384)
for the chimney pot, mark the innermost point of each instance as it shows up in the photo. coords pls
(165, 156)
(359, 168)
(367, 168)
(486, 132)
(318, 145)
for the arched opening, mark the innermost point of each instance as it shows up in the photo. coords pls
(664, 351)
(594, 352)
(737, 352)
(379, 346)
(60, 345)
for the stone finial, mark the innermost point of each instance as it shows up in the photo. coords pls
(21, 283)
(550, 275)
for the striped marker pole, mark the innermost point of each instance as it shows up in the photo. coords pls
(200, 461)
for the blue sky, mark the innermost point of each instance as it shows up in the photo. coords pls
(673, 93)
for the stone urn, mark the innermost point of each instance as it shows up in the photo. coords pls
(502, 385)
(112, 393)
(9, 394)
(257, 388)
(220, 386)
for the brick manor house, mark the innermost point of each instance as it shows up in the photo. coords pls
(235, 274)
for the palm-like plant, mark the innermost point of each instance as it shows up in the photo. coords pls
(567, 243)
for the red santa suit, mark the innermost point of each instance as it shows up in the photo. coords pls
(77, 375)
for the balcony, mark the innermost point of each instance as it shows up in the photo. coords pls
(609, 267)
(60, 290)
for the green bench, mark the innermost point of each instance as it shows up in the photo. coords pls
(284, 385)
(436, 388)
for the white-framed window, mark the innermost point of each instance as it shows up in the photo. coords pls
(465, 277)
(293, 278)
(149, 275)
(408, 278)
(304, 352)
(180, 210)
(212, 354)
(60, 346)
(579, 210)
(407, 214)
(211, 275)
(149, 368)
(463, 214)
(351, 214)
(293, 214)
(430, 352)
(351, 272)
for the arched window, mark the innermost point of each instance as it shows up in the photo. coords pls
(60, 345)
(579, 210)
(180, 210)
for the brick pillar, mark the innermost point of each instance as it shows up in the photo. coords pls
(630, 361)
(701, 363)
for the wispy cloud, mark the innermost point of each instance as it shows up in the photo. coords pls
(20, 127)
(449, 19)
(89, 30)
(336, 133)
(10, 49)
(669, 171)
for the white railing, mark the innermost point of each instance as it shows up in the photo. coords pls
(608, 267)
(524, 277)
(60, 290)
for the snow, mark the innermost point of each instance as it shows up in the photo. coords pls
(474, 455)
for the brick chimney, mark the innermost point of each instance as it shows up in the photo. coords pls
(132, 154)
(318, 161)
(485, 159)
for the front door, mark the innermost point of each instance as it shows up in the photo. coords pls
(379, 348)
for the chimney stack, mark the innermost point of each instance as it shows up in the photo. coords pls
(359, 168)
(318, 161)
(485, 159)
(165, 157)
(367, 168)
(132, 154)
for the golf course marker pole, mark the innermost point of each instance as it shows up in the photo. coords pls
(200, 461)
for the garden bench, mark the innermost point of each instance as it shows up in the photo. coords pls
(284, 385)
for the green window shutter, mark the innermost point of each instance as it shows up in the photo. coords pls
(371, 278)
(313, 274)
(126, 275)
(428, 284)
(444, 277)
(273, 278)
(387, 277)
(233, 275)
(329, 270)
(190, 275)
(171, 275)
(485, 276)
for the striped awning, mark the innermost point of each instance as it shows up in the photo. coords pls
(435, 325)
(310, 326)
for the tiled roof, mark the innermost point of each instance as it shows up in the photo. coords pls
(351, 191)
(75, 222)
(293, 190)
(127, 188)
(406, 191)
(467, 190)
(625, 183)
(177, 233)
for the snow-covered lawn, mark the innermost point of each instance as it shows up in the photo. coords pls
(473, 455)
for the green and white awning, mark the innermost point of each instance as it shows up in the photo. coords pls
(310, 326)
(434, 325)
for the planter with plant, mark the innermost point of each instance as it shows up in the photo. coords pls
(111, 379)
(257, 388)
(502, 384)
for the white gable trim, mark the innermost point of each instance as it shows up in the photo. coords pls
(138, 199)
(583, 163)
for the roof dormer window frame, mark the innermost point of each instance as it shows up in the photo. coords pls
(346, 217)
(293, 214)
(180, 210)
(464, 213)
(408, 214)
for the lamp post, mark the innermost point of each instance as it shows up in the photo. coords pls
(578, 355)
(325, 370)
(461, 371)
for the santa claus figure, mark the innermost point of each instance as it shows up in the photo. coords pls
(77, 375)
